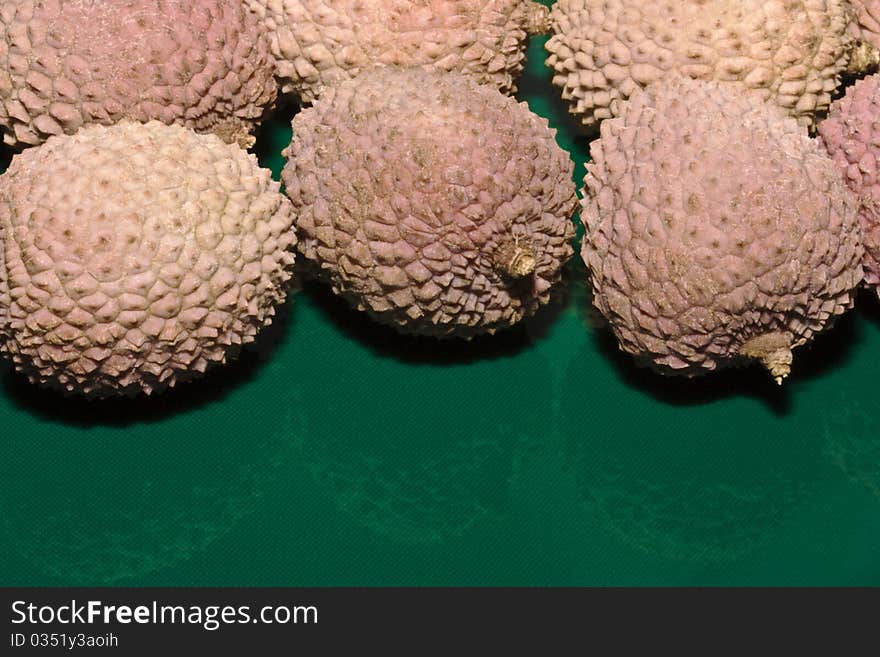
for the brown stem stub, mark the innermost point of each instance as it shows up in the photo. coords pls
(863, 58)
(515, 259)
(537, 21)
(773, 350)
(233, 131)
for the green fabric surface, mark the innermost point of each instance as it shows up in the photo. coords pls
(336, 452)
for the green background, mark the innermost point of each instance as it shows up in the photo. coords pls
(335, 452)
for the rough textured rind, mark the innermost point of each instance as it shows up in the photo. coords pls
(866, 23)
(323, 42)
(716, 230)
(419, 194)
(851, 135)
(136, 255)
(792, 52)
(205, 64)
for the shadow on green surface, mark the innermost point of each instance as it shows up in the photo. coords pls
(414, 454)
(384, 341)
(829, 351)
(217, 384)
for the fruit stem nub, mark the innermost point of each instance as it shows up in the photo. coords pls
(773, 350)
(537, 18)
(863, 58)
(233, 131)
(515, 259)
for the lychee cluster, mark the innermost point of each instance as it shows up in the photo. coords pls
(136, 252)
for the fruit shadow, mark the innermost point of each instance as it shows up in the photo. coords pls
(829, 350)
(847, 80)
(868, 306)
(384, 341)
(6, 154)
(219, 381)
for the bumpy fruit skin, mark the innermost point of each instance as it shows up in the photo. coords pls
(716, 230)
(323, 42)
(439, 206)
(205, 64)
(133, 256)
(867, 20)
(790, 51)
(851, 135)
